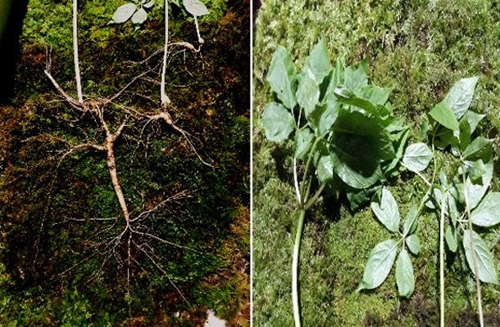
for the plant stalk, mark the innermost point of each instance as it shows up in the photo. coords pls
(163, 95)
(75, 52)
(441, 260)
(295, 269)
(474, 258)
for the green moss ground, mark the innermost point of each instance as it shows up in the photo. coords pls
(421, 48)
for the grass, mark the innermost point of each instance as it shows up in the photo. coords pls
(421, 48)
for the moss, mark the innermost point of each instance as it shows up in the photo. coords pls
(47, 205)
(420, 48)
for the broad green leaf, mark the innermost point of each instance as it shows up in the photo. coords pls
(303, 143)
(278, 122)
(346, 96)
(417, 157)
(307, 92)
(123, 13)
(486, 270)
(473, 119)
(468, 125)
(476, 170)
(413, 243)
(445, 137)
(460, 96)
(356, 79)
(379, 264)
(476, 191)
(410, 221)
(140, 16)
(359, 144)
(195, 7)
(354, 177)
(323, 117)
(476, 148)
(318, 62)
(400, 143)
(281, 77)
(149, 4)
(450, 237)
(337, 77)
(443, 114)
(404, 275)
(487, 213)
(376, 95)
(325, 169)
(387, 211)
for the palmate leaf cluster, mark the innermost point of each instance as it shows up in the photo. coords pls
(335, 117)
(469, 187)
(454, 128)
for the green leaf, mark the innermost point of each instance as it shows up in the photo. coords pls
(140, 16)
(486, 268)
(281, 77)
(473, 119)
(356, 79)
(487, 213)
(123, 13)
(443, 114)
(404, 275)
(303, 143)
(375, 94)
(346, 96)
(460, 96)
(337, 78)
(379, 265)
(278, 122)
(476, 170)
(451, 238)
(410, 221)
(476, 191)
(417, 157)
(476, 148)
(307, 92)
(318, 62)
(387, 211)
(413, 243)
(399, 140)
(325, 169)
(323, 117)
(149, 4)
(359, 144)
(195, 7)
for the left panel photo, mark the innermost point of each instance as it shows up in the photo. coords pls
(125, 163)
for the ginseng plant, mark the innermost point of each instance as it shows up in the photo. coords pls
(128, 237)
(343, 132)
(460, 196)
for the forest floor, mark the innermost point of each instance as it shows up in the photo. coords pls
(58, 207)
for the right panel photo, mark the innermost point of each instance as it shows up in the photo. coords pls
(376, 197)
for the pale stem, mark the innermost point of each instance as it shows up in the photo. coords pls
(75, 52)
(474, 258)
(200, 40)
(295, 179)
(164, 98)
(441, 260)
